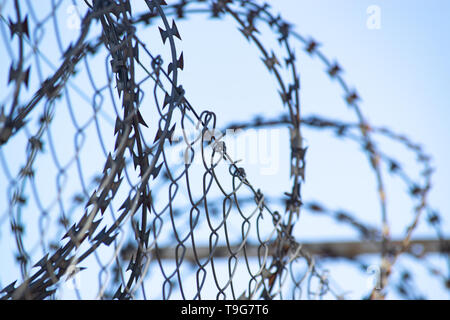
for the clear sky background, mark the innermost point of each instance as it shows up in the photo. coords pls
(401, 72)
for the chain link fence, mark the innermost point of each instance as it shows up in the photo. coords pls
(109, 170)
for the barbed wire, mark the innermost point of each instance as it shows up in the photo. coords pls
(203, 212)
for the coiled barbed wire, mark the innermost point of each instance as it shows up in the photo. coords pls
(272, 269)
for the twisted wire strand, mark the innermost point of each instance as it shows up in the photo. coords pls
(137, 169)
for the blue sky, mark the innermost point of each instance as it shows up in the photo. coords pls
(400, 71)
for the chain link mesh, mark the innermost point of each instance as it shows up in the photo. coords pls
(112, 172)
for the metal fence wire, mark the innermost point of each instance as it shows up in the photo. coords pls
(108, 170)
